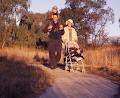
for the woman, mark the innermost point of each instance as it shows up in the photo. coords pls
(70, 40)
(70, 34)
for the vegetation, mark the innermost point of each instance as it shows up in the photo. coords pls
(18, 26)
(105, 56)
(19, 78)
(90, 19)
(21, 28)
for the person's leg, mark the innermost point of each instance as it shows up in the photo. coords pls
(52, 57)
(58, 49)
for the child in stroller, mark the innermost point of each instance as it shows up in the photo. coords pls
(73, 57)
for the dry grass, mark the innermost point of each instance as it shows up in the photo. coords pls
(17, 77)
(105, 61)
(24, 53)
(106, 56)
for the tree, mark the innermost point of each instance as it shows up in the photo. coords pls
(33, 21)
(90, 17)
(9, 7)
(31, 36)
(8, 10)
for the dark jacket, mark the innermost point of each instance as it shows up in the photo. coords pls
(55, 33)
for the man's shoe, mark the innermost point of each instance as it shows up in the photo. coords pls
(53, 67)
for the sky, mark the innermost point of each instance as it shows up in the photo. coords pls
(42, 6)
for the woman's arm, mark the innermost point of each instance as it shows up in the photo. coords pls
(75, 36)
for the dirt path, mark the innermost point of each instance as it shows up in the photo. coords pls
(79, 85)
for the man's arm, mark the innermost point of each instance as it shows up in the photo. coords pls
(45, 29)
(61, 28)
(48, 28)
(74, 35)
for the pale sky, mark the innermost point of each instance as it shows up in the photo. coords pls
(42, 6)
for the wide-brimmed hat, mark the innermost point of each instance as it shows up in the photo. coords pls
(71, 21)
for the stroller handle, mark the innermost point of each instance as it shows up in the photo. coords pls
(70, 44)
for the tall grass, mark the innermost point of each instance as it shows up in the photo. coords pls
(104, 57)
(18, 78)
(26, 54)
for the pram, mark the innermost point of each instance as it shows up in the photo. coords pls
(73, 57)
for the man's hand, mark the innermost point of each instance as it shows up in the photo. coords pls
(61, 27)
(50, 27)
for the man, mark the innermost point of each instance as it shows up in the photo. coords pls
(55, 31)
(54, 10)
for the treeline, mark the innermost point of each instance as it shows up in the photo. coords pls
(27, 33)
(20, 27)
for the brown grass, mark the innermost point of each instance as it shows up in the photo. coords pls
(18, 78)
(105, 61)
(104, 57)
(24, 53)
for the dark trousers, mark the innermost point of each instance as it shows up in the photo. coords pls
(54, 47)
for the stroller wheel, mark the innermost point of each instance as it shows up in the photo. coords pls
(72, 70)
(67, 68)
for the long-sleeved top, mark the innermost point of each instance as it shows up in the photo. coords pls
(69, 35)
(55, 33)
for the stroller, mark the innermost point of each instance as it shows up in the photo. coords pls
(73, 57)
